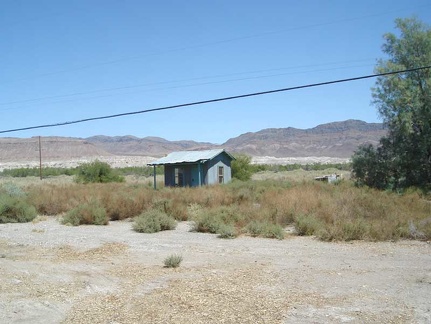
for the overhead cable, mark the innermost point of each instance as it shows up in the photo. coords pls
(196, 103)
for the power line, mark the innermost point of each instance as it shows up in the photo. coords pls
(215, 100)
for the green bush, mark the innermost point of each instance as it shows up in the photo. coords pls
(208, 223)
(219, 220)
(227, 231)
(241, 167)
(152, 221)
(13, 205)
(307, 225)
(12, 190)
(265, 229)
(346, 231)
(173, 261)
(89, 213)
(15, 210)
(97, 172)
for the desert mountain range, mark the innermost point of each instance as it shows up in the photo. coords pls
(335, 140)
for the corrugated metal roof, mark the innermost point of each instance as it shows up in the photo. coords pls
(188, 157)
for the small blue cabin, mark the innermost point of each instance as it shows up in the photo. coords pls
(195, 168)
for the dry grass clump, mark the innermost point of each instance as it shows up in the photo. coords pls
(53, 199)
(125, 201)
(174, 207)
(120, 201)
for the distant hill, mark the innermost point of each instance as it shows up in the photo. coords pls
(336, 140)
(148, 146)
(53, 148)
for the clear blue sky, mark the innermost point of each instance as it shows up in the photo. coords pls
(68, 60)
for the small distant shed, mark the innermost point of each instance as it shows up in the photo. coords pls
(195, 168)
(329, 178)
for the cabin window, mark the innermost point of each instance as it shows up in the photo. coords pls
(179, 176)
(220, 174)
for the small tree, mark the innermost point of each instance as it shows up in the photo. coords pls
(97, 172)
(403, 158)
(241, 167)
(370, 168)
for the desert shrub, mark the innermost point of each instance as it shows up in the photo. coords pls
(342, 212)
(97, 172)
(121, 206)
(273, 231)
(207, 223)
(15, 209)
(175, 207)
(12, 190)
(161, 204)
(346, 231)
(35, 172)
(307, 224)
(194, 210)
(54, 199)
(217, 219)
(88, 213)
(178, 210)
(227, 231)
(125, 201)
(173, 261)
(145, 171)
(153, 221)
(421, 230)
(425, 227)
(265, 229)
(241, 167)
(354, 230)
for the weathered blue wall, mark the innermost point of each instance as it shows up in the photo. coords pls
(212, 167)
(190, 175)
(169, 176)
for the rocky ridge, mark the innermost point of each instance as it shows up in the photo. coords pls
(332, 142)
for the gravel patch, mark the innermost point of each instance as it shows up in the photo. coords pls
(53, 273)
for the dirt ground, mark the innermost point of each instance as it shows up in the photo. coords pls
(51, 273)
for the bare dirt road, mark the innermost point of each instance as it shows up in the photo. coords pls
(51, 273)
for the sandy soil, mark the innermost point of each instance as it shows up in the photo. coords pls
(51, 273)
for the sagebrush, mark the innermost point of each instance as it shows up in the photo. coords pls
(173, 261)
(152, 221)
(14, 206)
(91, 213)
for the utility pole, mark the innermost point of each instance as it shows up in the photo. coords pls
(40, 160)
(155, 177)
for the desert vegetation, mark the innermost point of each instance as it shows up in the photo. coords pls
(258, 208)
(152, 221)
(14, 207)
(47, 172)
(173, 261)
(403, 157)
